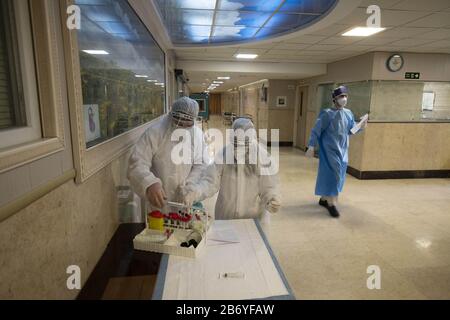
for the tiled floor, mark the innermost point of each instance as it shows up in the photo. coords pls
(402, 226)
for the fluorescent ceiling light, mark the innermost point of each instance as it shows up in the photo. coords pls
(152, 80)
(159, 84)
(246, 56)
(218, 82)
(223, 78)
(96, 52)
(362, 31)
(141, 76)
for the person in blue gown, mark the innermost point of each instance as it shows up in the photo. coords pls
(331, 132)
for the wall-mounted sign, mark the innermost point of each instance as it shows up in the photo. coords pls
(281, 101)
(91, 122)
(428, 101)
(412, 75)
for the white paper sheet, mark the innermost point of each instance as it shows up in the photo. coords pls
(358, 126)
(223, 233)
(188, 279)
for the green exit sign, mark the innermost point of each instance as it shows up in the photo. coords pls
(412, 75)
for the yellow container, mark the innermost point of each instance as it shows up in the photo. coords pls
(156, 221)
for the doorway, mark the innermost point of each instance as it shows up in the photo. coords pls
(302, 103)
(215, 103)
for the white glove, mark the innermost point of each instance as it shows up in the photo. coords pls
(273, 205)
(188, 195)
(310, 152)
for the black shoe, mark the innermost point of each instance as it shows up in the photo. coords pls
(333, 211)
(323, 203)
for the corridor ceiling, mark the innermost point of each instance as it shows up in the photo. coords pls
(203, 22)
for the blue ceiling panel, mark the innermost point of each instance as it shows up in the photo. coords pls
(288, 21)
(303, 6)
(238, 20)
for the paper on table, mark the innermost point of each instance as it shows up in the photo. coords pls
(358, 126)
(223, 234)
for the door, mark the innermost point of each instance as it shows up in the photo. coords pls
(215, 103)
(301, 117)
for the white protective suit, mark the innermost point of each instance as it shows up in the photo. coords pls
(151, 160)
(244, 193)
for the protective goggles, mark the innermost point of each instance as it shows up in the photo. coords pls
(182, 119)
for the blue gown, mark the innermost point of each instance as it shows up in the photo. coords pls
(331, 132)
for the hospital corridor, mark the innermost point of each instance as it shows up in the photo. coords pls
(197, 153)
(390, 223)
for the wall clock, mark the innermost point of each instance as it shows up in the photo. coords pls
(394, 62)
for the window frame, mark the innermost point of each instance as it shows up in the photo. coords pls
(89, 161)
(46, 64)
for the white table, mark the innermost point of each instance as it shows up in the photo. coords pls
(248, 254)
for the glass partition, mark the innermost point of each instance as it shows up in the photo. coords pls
(393, 101)
(324, 98)
(410, 101)
(122, 70)
(359, 94)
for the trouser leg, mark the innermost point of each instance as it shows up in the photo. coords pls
(332, 201)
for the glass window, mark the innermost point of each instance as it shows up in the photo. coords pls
(122, 70)
(359, 94)
(19, 101)
(324, 96)
(410, 101)
(12, 113)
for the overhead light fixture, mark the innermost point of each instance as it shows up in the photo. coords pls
(141, 76)
(362, 31)
(159, 84)
(152, 80)
(223, 78)
(246, 56)
(96, 52)
(218, 82)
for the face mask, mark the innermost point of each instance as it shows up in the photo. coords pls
(342, 102)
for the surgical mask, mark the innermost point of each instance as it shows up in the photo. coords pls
(241, 147)
(342, 102)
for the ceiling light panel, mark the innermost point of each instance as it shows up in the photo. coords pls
(237, 20)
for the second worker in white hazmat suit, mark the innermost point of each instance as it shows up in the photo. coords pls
(246, 188)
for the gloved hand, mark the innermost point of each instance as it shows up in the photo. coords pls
(188, 195)
(273, 205)
(310, 152)
(156, 195)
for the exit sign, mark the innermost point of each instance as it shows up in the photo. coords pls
(412, 75)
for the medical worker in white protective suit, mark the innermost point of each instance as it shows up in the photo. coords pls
(153, 173)
(247, 187)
